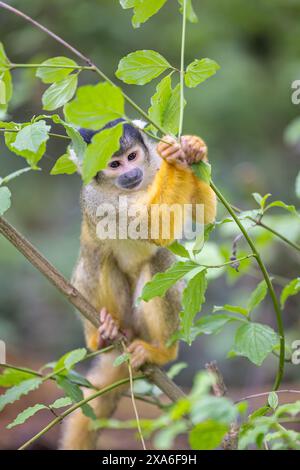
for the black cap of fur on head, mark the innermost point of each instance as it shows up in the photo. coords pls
(131, 135)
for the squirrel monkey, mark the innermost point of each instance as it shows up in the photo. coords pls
(111, 273)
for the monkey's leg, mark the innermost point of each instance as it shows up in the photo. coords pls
(156, 320)
(77, 434)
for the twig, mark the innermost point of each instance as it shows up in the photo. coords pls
(74, 407)
(82, 57)
(219, 387)
(266, 276)
(267, 227)
(133, 400)
(230, 441)
(184, 6)
(50, 66)
(263, 394)
(61, 136)
(157, 376)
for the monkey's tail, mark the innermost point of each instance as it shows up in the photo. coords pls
(77, 434)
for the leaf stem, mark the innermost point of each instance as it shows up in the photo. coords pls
(228, 263)
(263, 394)
(35, 66)
(77, 405)
(266, 276)
(61, 136)
(182, 68)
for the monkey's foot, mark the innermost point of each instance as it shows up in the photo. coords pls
(139, 354)
(109, 330)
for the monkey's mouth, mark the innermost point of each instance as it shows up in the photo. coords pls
(133, 184)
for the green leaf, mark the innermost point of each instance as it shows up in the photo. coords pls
(203, 171)
(282, 204)
(231, 308)
(59, 93)
(55, 74)
(2, 92)
(176, 369)
(200, 70)
(161, 282)
(121, 359)
(69, 359)
(190, 12)
(24, 142)
(257, 295)
(297, 185)
(212, 324)
(31, 137)
(13, 175)
(218, 409)
(141, 67)
(292, 288)
(164, 438)
(192, 300)
(78, 144)
(78, 379)
(11, 377)
(95, 105)
(4, 62)
(64, 164)
(288, 408)
(202, 238)
(207, 435)
(128, 3)
(273, 400)
(165, 105)
(179, 249)
(99, 152)
(26, 414)
(261, 200)
(14, 393)
(255, 341)
(144, 9)
(5, 80)
(76, 395)
(5, 199)
(61, 402)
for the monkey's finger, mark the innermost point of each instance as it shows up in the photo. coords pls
(111, 326)
(170, 150)
(177, 158)
(103, 314)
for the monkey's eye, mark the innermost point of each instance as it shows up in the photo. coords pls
(114, 164)
(132, 156)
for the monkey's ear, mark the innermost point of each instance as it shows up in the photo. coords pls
(87, 134)
(139, 123)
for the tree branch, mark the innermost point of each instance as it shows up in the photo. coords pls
(157, 376)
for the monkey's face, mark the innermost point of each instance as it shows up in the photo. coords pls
(126, 171)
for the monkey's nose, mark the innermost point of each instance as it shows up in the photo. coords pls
(131, 178)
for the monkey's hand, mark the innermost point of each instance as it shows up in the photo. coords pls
(191, 150)
(109, 330)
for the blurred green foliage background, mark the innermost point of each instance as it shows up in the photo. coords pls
(242, 113)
